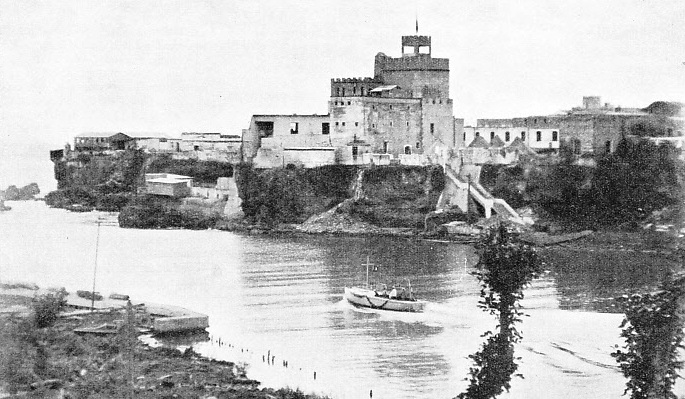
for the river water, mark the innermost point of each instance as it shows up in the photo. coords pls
(283, 296)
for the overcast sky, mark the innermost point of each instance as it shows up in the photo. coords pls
(68, 67)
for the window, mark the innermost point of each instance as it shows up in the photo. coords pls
(607, 147)
(265, 129)
(337, 91)
(477, 134)
(349, 103)
(507, 137)
(390, 106)
(343, 123)
(356, 123)
(354, 90)
(433, 101)
(523, 136)
(355, 151)
(464, 136)
(407, 150)
(418, 144)
(294, 127)
(492, 135)
(555, 136)
(362, 93)
(390, 123)
(325, 128)
(373, 125)
(538, 136)
(343, 92)
(432, 128)
(385, 147)
(337, 123)
(373, 107)
(407, 123)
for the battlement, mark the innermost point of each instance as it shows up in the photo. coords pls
(353, 80)
(418, 62)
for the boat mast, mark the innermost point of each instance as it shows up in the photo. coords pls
(95, 268)
(368, 263)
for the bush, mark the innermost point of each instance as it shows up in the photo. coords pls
(46, 308)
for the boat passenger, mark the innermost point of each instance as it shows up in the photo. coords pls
(393, 293)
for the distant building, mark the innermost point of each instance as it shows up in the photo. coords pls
(403, 113)
(593, 128)
(168, 184)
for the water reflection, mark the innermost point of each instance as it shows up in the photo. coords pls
(590, 280)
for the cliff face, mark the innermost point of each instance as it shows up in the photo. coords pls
(394, 196)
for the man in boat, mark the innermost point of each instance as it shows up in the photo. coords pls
(393, 293)
(383, 292)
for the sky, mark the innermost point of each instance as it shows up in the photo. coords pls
(69, 66)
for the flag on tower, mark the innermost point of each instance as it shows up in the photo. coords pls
(417, 26)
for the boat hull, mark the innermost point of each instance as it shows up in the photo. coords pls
(367, 298)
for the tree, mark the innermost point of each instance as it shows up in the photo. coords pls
(506, 266)
(653, 333)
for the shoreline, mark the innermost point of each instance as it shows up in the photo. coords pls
(146, 369)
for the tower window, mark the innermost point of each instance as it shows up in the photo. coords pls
(407, 149)
(390, 106)
(418, 144)
(294, 127)
(343, 123)
(523, 136)
(349, 103)
(506, 136)
(407, 123)
(337, 123)
(477, 134)
(538, 136)
(325, 128)
(356, 123)
(555, 136)
(492, 135)
(432, 127)
(354, 90)
(390, 123)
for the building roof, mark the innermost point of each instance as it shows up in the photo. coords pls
(136, 135)
(497, 142)
(479, 142)
(382, 88)
(96, 134)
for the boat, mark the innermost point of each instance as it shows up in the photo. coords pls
(398, 299)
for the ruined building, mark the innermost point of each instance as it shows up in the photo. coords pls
(403, 114)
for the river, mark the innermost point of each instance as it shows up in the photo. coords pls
(283, 296)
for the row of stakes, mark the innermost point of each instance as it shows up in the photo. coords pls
(268, 358)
